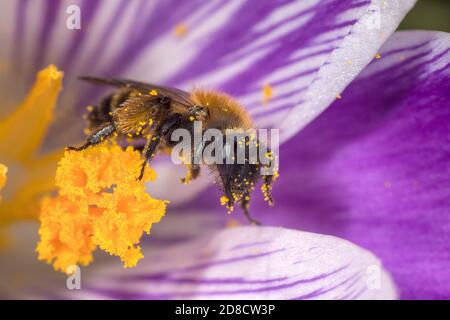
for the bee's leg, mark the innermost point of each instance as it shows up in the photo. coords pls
(267, 188)
(153, 142)
(149, 152)
(194, 166)
(267, 191)
(192, 174)
(96, 138)
(245, 205)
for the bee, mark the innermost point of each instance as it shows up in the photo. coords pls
(138, 110)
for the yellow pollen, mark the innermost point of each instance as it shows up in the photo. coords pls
(87, 131)
(223, 200)
(232, 223)
(3, 171)
(21, 136)
(99, 204)
(269, 155)
(377, 56)
(267, 93)
(180, 30)
(188, 177)
(191, 118)
(38, 109)
(153, 92)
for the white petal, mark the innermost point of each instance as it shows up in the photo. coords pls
(239, 263)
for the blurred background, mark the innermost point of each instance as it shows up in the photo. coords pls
(429, 15)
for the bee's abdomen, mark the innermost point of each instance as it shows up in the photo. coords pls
(101, 113)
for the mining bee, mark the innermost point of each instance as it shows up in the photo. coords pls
(141, 111)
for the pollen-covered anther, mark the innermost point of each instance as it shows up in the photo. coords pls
(22, 133)
(100, 203)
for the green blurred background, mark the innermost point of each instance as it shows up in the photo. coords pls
(429, 15)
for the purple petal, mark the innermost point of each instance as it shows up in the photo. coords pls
(374, 168)
(240, 263)
(300, 48)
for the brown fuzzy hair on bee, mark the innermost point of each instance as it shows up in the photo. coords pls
(224, 111)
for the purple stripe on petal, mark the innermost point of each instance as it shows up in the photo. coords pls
(319, 292)
(19, 33)
(52, 8)
(214, 263)
(230, 293)
(89, 9)
(167, 278)
(164, 17)
(107, 34)
(252, 244)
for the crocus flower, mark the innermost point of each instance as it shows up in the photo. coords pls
(363, 113)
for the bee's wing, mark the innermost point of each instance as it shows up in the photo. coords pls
(136, 112)
(177, 96)
(134, 115)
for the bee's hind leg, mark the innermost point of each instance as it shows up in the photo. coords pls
(245, 208)
(192, 173)
(153, 142)
(149, 152)
(96, 138)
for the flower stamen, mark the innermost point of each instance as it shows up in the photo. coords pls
(100, 203)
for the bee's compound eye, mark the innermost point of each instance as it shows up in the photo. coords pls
(199, 111)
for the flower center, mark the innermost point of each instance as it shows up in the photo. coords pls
(99, 204)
